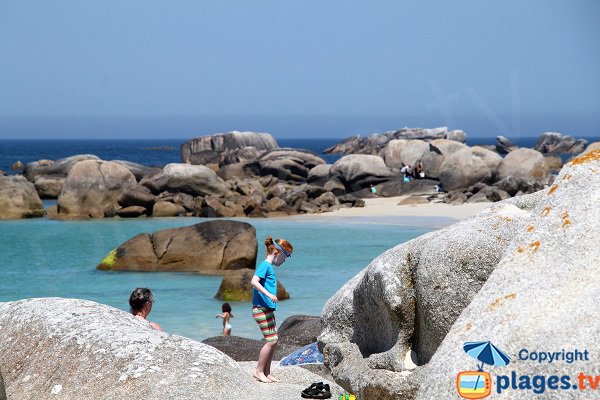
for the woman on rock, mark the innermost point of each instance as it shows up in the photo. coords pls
(141, 301)
(264, 304)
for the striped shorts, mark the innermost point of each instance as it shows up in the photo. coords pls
(265, 318)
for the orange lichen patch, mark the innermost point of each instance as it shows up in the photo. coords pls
(534, 246)
(565, 218)
(546, 211)
(499, 301)
(594, 171)
(530, 228)
(469, 327)
(567, 177)
(586, 158)
(552, 189)
(520, 249)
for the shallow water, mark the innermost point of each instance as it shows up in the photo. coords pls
(41, 258)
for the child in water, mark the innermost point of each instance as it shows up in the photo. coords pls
(226, 315)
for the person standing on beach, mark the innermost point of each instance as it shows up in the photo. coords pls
(373, 190)
(226, 315)
(264, 304)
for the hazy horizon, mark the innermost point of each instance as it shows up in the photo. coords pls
(297, 69)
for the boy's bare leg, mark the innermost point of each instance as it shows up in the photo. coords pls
(264, 363)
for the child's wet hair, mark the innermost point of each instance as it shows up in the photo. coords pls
(139, 297)
(285, 245)
(226, 307)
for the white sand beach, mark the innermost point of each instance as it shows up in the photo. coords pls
(388, 207)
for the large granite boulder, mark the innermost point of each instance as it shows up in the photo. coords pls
(398, 153)
(236, 286)
(18, 199)
(409, 297)
(557, 143)
(467, 166)
(226, 148)
(538, 297)
(196, 180)
(288, 164)
(140, 171)
(360, 170)
(92, 189)
(210, 247)
(526, 163)
(75, 349)
(591, 147)
(48, 176)
(436, 154)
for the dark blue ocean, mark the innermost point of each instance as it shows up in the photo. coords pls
(156, 152)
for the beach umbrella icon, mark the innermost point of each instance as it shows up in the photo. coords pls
(487, 353)
(308, 354)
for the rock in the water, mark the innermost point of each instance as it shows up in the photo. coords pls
(409, 297)
(58, 168)
(49, 186)
(244, 349)
(236, 286)
(540, 294)
(525, 163)
(18, 199)
(167, 209)
(210, 247)
(557, 143)
(51, 344)
(299, 330)
(226, 148)
(196, 180)
(92, 189)
(504, 145)
(18, 166)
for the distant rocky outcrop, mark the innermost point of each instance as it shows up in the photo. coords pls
(18, 199)
(288, 164)
(211, 247)
(236, 286)
(525, 163)
(504, 145)
(557, 143)
(468, 166)
(375, 142)
(17, 166)
(226, 148)
(92, 189)
(77, 349)
(357, 171)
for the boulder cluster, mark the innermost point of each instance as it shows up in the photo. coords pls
(246, 174)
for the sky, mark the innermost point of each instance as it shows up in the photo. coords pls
(305, 68)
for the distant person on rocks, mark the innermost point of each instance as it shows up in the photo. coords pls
(226, 315)
(373, 190)
(407, 172)
(264, 304)
(141, 301)
(419, 173)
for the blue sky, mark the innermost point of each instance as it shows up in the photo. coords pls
(507, 64)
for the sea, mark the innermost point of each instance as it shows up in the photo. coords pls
(46, 258)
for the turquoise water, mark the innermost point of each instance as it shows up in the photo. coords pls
(41, 258)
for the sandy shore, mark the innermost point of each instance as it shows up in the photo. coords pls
(387, 210)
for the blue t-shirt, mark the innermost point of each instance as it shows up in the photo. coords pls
(265, 272)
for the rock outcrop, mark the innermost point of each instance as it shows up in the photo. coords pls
(92, 189)
(210, 247)
(236, 286)
(226, 148)
(539, 295)
(357, 171)
(468, 166)
(557, 143)
(504, 145)
(18, 199)
(76, 349)
(409, 297)
(48, 176)
(525, 163)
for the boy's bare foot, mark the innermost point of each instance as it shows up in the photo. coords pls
(272, 378)
(259, 376)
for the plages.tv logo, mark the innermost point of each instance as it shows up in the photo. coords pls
(478, 384)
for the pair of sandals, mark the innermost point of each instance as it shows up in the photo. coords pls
(317, 390)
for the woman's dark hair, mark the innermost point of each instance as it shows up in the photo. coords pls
(226, 307)
(139, 297)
